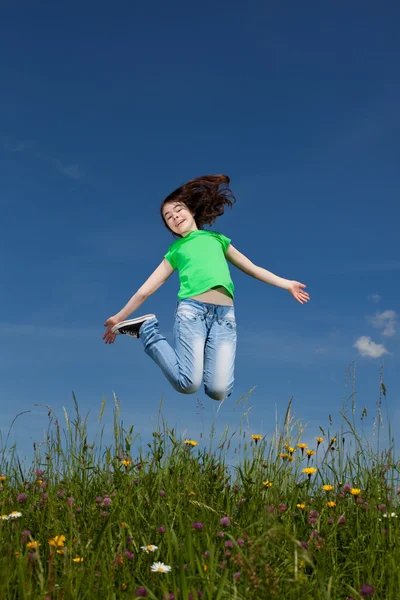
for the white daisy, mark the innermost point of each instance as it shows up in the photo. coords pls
(15, 515)
(5, 517)
(150, 548)
(159, 567)
(389, 515)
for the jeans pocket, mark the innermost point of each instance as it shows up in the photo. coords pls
(229, 324)
(187, 314)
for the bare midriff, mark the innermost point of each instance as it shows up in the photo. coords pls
(217, 295)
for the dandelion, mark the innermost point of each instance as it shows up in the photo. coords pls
(33, 545)
(319, 440)
(310, 453)
(267, 483)
(328, 488)
(191, 443)
(355, 491)
(77, 559)
(301, 506)
(302, 447)
(283, 455)
(126, 462)
(333, 440)
(57, 541)
(290, 457)
(3, 478)
(291, 450)
(15, 515)
(331, 504)
(309, 471)
(256, 437)
(159, 567)
(149, 548)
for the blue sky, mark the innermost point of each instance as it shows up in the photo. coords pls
(105, 109)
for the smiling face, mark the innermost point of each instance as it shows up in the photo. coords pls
(179, 218)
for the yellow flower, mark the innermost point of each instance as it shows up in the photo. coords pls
(283, 455)
(331, 504)
(267, 483)
(123, 586)
(191, 443)
(328, 488)
(3, 478)
(302, 506)
(302, 446)
(78, 559)
(33, 545)
(333, 440)
(205, 568)
(290, 457)
(309, 471)
(256, 437)
(291, 450)
(355, 491)
(192, 493)
(310, 452)
(57, 541)
(16, 554)
(319, 440)
(126, 462)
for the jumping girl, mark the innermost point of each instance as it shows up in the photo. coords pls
(205, 327)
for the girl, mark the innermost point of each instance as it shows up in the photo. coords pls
(205, 327)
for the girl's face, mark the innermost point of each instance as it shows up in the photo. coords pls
(179, 218)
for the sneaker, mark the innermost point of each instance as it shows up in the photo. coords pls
(131, 326)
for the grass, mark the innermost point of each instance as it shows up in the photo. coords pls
(261, 528)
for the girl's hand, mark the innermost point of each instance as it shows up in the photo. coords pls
(108, 336)
(296, 289)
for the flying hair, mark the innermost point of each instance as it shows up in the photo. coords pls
(205, 196)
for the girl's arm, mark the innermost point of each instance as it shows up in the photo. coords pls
(156, 279)
(241, 261)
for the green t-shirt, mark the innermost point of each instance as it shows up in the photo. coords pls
(200, 260)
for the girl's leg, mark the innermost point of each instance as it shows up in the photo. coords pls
(220, 353)
(183, 367)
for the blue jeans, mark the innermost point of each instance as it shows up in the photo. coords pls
(205, 347)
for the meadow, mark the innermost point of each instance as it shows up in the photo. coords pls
(176, 519)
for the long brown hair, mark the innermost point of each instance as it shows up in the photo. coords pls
(205, 196)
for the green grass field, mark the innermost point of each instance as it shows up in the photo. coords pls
(177, 519)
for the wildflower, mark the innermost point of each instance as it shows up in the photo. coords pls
(141, 592)
(355, 491)
(240, 542)
(61, 493)
(331, 504)
(99, 499)
(304, 545)
(5, 517)
(310, 453)
(291, 450)
(192, 493)
(126, 462)
(237, 576)
(282, 508)
(106, 501)
(3, 478)
(367, 591)
(330, 521)
(319, 440)
(149, 548)
(302, 446)
(328, 488)
(21, 498)
(241, 500)
(342, 520)
(389, 515)
(346, 487)
(225, 521)
(290, 457)
(16, 554)
(70, 501)
(283, 455)
(309, 471)
(129, 555)
(25, 535)
(161, 529)
(333, 440)
(314, 514)
(220, 535)
(267, 483)
(301, 506)
(159, 567)
(78, 559)
(123, 586)
(228, 544)
(256, 437)
(198, 526)
(191, 443)
(57, 541)
(162, 493)
(15, 515)
(33, 545)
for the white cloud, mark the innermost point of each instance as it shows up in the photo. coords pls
(374, 298)
(386, 321)
(367, 347)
